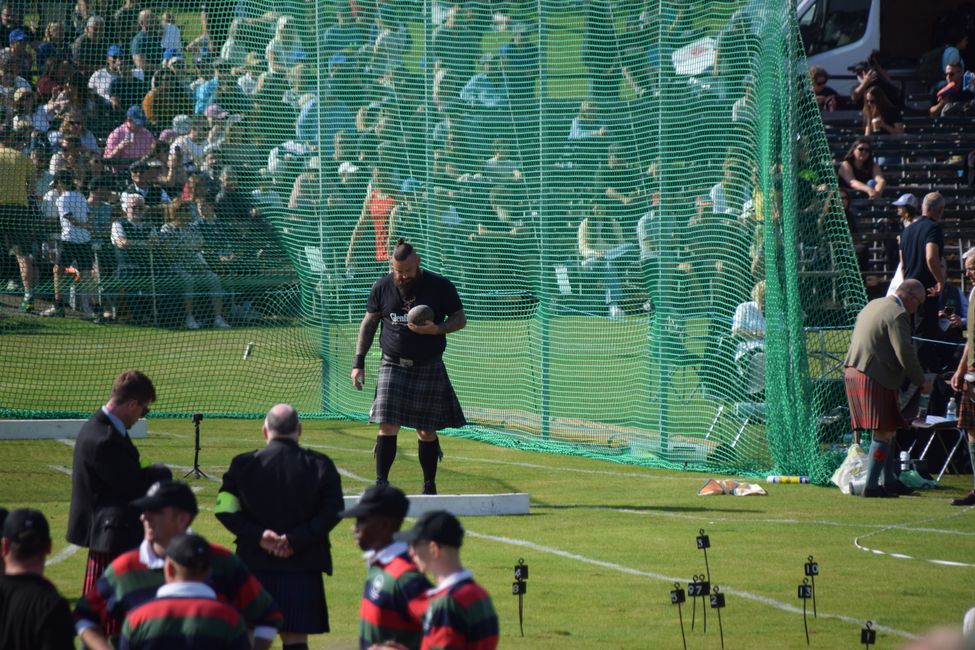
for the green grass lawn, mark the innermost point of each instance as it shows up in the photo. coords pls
(602, 388)
(604, 542)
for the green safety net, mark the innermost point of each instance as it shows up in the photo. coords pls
(610, 185)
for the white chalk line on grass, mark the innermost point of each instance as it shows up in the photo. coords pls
(61, 468)
(63, 554)
(673, 515)
(747, 595)
(355, 477)
(903, 556)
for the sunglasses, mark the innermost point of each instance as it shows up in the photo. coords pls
(863, 149)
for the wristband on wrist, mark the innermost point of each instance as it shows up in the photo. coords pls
(359, 361)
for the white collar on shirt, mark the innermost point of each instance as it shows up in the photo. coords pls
(119, 426)
(384, 555)
(450, 581)
(148, 556)
(186, 590)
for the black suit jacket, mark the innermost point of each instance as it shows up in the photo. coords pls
(290, 490)
(105, 477)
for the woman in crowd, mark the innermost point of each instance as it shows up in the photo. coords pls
(880, 116)
(860, 172)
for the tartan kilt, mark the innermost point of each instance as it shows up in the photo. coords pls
(98, 561)
(419, 397)
(871, 405)
(301, 598)
(966, 409)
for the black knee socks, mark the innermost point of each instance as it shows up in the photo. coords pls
(295, 646)
(429, 453)
(385, 455)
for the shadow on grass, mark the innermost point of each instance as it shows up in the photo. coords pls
(29, 325)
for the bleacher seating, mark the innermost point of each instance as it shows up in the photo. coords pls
(930, 156)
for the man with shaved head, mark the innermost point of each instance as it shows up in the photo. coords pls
(281, 501)
(881, 356)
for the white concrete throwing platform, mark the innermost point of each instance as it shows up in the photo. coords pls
(53, 429)
(464, 505)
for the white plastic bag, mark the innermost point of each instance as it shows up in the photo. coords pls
(853, 468)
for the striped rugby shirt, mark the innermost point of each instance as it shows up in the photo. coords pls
(460, 616)
(184, 616)
(133, 578)
(394, 598)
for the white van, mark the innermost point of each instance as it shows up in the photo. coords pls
(839, 34)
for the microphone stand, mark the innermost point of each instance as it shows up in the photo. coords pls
(196, 471)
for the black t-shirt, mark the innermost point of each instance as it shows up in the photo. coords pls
(33, 615)
(396, 338)
(914, 240)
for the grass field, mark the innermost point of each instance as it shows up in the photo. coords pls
(604, 542)
(600, 387)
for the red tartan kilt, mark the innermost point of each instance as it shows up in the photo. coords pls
(871, 405)
(97, 563)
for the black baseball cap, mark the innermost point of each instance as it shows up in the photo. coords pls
(190, 551)
(385, 500)
(167, 493)
(25, 526)
(435, 526)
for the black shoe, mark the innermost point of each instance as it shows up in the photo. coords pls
(967, 500)
(898, 488)
(429, 487)
(381, 482)
(878, 493)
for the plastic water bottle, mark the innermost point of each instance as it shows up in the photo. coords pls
(951, 413)
(775, 478)
(905, 461)
(922, 406)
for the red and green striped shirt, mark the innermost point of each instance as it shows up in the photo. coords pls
(460, 616)
(394, 599)
(133, 578)
(184, 616)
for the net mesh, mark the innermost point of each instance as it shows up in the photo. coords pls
(634, 199)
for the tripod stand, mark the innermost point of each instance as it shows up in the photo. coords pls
(196, 471)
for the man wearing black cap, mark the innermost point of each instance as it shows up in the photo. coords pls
(107, 474)
(459, 612)
(394, 598)
(168, 509)
(33, 615)
(281, 502)
(185, 613)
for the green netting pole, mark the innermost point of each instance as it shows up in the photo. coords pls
(545, 305)
(324, 342)
(662, 335)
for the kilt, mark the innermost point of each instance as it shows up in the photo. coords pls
(871, 405)
(419, 397)
(94, 568)
(966, 409)
(301, 596)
